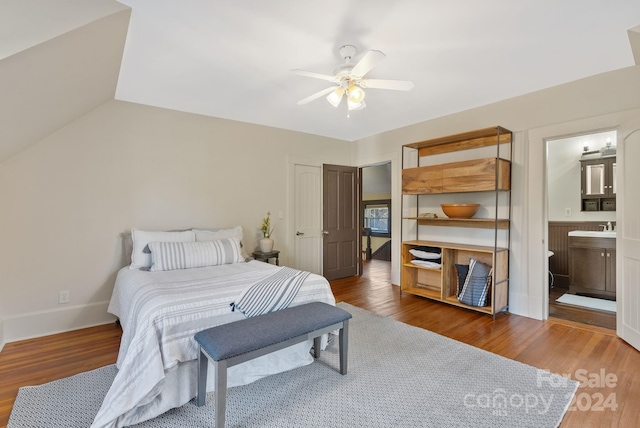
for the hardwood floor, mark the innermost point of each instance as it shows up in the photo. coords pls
(578, 314)
(557, 345)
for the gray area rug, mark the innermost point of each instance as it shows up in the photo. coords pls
(399, 376)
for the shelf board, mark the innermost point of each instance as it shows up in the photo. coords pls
(452, 300)
(424, 292)
(412, 265)
(464, 141)
(452, 246)
(483, 223)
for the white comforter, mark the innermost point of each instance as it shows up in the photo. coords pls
(161, 311)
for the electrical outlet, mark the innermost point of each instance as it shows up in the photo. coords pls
(567, 212)
(64, 296)
(280, 214)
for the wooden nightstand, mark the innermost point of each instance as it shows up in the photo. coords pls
(264, 257)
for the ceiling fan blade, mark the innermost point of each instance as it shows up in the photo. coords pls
(314, 75)
(368, 61)
(396, 85)
(317, 95)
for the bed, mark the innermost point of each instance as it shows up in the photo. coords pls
(160, 311)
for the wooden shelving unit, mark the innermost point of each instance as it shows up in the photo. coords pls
(441, 284)
(469, 176)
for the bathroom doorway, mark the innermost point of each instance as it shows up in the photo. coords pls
(581, 204)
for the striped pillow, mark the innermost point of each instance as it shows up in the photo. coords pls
(475, 290)
(187, 255)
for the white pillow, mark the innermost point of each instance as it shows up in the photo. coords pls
(187, 255)
(141, 255)
(214, 234)
(425, 254)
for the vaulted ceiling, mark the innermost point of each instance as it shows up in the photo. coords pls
(232, 59)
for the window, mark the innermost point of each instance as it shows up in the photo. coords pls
(377, 217)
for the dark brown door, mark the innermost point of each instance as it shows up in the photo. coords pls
(341, 241)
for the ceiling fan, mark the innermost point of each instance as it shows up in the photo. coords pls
(349, 80)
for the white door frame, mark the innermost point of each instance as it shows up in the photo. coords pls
(529, 295)
(396, 205)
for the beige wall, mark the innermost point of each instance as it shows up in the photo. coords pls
(53, 83)
(594, 103)
(66, 200)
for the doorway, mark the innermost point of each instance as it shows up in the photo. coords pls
(376, 214)
(307, 199)
(572, 212)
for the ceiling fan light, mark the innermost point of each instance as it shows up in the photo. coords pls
(356, 93)
(355, 106)
(335, 97)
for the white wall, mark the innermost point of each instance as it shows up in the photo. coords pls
(594, 103)
(563, 173)
(66, 200)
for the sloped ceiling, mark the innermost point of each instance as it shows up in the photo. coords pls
(66, 66)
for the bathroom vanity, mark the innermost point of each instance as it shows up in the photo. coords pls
(592, 263)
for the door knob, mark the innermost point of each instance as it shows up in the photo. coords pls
(325, 232)
(299, 233)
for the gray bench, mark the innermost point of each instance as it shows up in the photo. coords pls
(230, 344)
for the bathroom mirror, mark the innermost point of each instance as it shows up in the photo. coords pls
(594, 180)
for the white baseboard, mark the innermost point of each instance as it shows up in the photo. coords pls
(44, 323)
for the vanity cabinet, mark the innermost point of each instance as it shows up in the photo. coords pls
(470, 176)
(598, 184)
(592, 266)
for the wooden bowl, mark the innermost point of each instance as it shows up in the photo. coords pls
(460, 210)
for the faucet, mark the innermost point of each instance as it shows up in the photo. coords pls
(606, 227)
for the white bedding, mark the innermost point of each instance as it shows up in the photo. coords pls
(161, 311)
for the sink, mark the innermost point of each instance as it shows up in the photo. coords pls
(593, 233)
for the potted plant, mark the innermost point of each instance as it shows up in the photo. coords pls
(266, 243)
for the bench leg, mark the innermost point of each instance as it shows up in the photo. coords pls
(343, 339)
(201, 392)
(220, 393)
(317, 344)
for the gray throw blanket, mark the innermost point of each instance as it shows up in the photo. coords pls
(270, 294)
